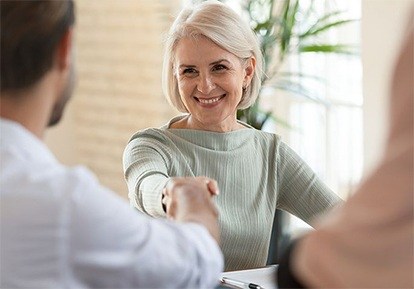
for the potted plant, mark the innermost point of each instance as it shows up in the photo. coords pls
(282, 33)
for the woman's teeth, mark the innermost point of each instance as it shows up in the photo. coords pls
(209, 101)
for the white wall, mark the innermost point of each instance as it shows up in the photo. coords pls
(383, 23)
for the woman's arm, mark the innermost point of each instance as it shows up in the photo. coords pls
(300, 191)
(145, 163)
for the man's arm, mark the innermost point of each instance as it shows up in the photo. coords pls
(116, 246)
(368, 243)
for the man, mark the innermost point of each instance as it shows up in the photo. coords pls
(59, 227)
(368, 243)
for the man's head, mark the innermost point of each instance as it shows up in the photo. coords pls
(31, 32)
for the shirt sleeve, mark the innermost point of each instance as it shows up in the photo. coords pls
(145, 163)
(370, 238)
(285, 278)
(117, 247)
(300, 191)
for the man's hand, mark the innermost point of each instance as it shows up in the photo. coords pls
(189, 199)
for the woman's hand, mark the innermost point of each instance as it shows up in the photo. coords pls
(189, 199)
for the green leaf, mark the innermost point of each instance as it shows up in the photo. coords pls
(318, 30)
(329, 48)
(289, 20)
(323, 18)
(329, 15)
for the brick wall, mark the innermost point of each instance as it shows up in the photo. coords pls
(119, 62)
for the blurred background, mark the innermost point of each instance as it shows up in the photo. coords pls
(119, 52)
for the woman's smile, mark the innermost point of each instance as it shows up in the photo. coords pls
(210, 81)
(209, 101)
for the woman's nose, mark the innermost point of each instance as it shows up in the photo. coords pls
(205, 84)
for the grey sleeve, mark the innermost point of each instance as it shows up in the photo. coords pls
(300, 191)
(145, 164)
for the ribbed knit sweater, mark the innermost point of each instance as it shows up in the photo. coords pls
(256, 173)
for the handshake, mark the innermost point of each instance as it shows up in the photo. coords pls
(189, 199)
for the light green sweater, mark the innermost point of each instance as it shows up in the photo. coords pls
(256, 173)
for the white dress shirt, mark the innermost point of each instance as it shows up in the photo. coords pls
(61, 229)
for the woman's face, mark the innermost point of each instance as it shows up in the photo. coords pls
(210, 81)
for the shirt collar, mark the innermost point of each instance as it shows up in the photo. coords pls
(15, 137)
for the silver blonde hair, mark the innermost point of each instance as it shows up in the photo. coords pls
(227, 29)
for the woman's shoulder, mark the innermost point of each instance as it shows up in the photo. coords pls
(148, 134)
(155, 132)
(268, 136)
(161, 135)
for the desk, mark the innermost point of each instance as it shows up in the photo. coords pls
(264, 277)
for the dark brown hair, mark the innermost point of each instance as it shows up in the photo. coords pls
(30, 32)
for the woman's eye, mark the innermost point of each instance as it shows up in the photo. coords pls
(189, 71)
(219, 67)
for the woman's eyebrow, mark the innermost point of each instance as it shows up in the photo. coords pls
(219, 61)
(186, 66)
(211, 64)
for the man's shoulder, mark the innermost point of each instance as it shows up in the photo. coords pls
(32, 177)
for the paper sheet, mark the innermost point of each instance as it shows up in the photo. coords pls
(264, 277)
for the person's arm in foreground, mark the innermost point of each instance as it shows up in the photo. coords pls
(120, 248)
(369, 241)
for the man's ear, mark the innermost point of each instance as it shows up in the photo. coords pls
(64, 50)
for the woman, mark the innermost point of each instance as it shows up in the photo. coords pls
(212, 67)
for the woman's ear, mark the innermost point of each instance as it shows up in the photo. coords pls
(249, 70)
(64, 50)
